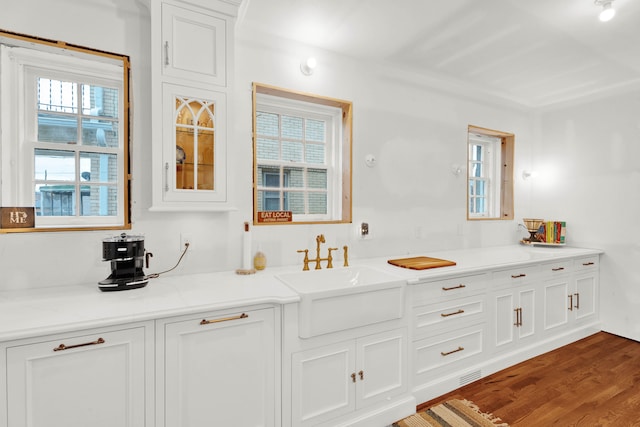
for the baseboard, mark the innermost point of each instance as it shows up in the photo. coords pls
(380, 416)
(453, 381)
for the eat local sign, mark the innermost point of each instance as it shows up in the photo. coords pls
(274, 216)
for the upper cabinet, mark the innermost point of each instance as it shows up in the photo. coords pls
(191, 69)
(194, 45)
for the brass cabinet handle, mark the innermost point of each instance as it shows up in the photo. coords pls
(452, 314)
(447, 353)
(577, 301)
(587, 263)
(518, 316)
(557, 269)
(69, 347)
(353, 377)
(224, 319)
(361, 373)
(460, 286)
(516, 276)
(570, 302)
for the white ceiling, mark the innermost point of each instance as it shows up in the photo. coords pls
(536, 53)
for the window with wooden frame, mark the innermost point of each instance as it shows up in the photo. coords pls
(301, 157)
(64, 145)
(489, 174)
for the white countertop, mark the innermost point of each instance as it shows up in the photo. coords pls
(35, 312)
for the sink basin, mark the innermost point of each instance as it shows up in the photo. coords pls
(332, 300)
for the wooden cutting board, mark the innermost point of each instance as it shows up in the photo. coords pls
(421, 262)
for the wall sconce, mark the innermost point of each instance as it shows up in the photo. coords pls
(308, 65)
(529, 174)
(607, 12)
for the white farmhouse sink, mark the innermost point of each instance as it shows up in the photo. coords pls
(343, 298)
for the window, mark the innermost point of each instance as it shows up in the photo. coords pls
(302, 156)
(490, 174)
(65, 148)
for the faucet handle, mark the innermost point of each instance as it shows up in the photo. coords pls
(330, 258)
(306, 259)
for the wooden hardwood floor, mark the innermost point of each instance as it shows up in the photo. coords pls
(592, 382)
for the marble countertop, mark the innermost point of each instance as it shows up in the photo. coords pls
(36, 312)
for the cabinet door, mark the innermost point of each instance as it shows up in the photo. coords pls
(193, 44)
(505, 319)
(323, 383)
(585, 297)
(194, 151)
(93, 380)
(381, 367)
(219, 370)
(556, 304)
(515, 316)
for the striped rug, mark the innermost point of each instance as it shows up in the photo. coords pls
(452, 413)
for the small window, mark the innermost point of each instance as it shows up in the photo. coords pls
(65, 134)
(489, 174)
(302, 156)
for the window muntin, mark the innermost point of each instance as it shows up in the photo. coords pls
(300, 143)
(489, 174)
(67, 132)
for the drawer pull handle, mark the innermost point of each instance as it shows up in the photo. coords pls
(517, 276)
(224, 319)
(69, 347)
(452, 314)
(570, 302)
(447, 353)
(460, 286)
(577, 301)
(353, 377)
(557, 269)
(587, 263)
(361, 373)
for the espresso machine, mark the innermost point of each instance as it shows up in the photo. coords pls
(127, 256)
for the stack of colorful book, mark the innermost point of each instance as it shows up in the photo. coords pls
(552, 232)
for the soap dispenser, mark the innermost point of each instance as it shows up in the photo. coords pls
(260, 260)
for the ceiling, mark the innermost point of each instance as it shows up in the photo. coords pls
(533, 53)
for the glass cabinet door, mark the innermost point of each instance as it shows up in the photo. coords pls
(194, 152)
(195, 139)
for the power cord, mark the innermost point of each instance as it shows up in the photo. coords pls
(156, 275)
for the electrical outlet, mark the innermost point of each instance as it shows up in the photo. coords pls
(184, 239)
(364, 230)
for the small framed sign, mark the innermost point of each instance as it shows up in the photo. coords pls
(274, 216)
(17, 217)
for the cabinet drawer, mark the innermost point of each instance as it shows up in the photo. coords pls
(516, 275)
(433, 318)
(429, 292)
(445, 351)
(556, 268)
(587, 263)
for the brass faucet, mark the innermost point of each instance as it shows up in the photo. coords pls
(319, 239)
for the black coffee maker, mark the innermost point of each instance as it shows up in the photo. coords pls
(126, 254)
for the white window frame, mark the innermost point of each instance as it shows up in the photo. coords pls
(490, 165)
(333, 147)
(19, 67)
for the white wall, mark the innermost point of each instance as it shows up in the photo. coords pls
(411, 199)
(590, 176)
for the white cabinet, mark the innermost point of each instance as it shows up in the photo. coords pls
(514, 306)
(193, 44)
(449, 320)
(101, 378)
(570, 297)
(191, 73)
(218, 369)
(340, 378)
